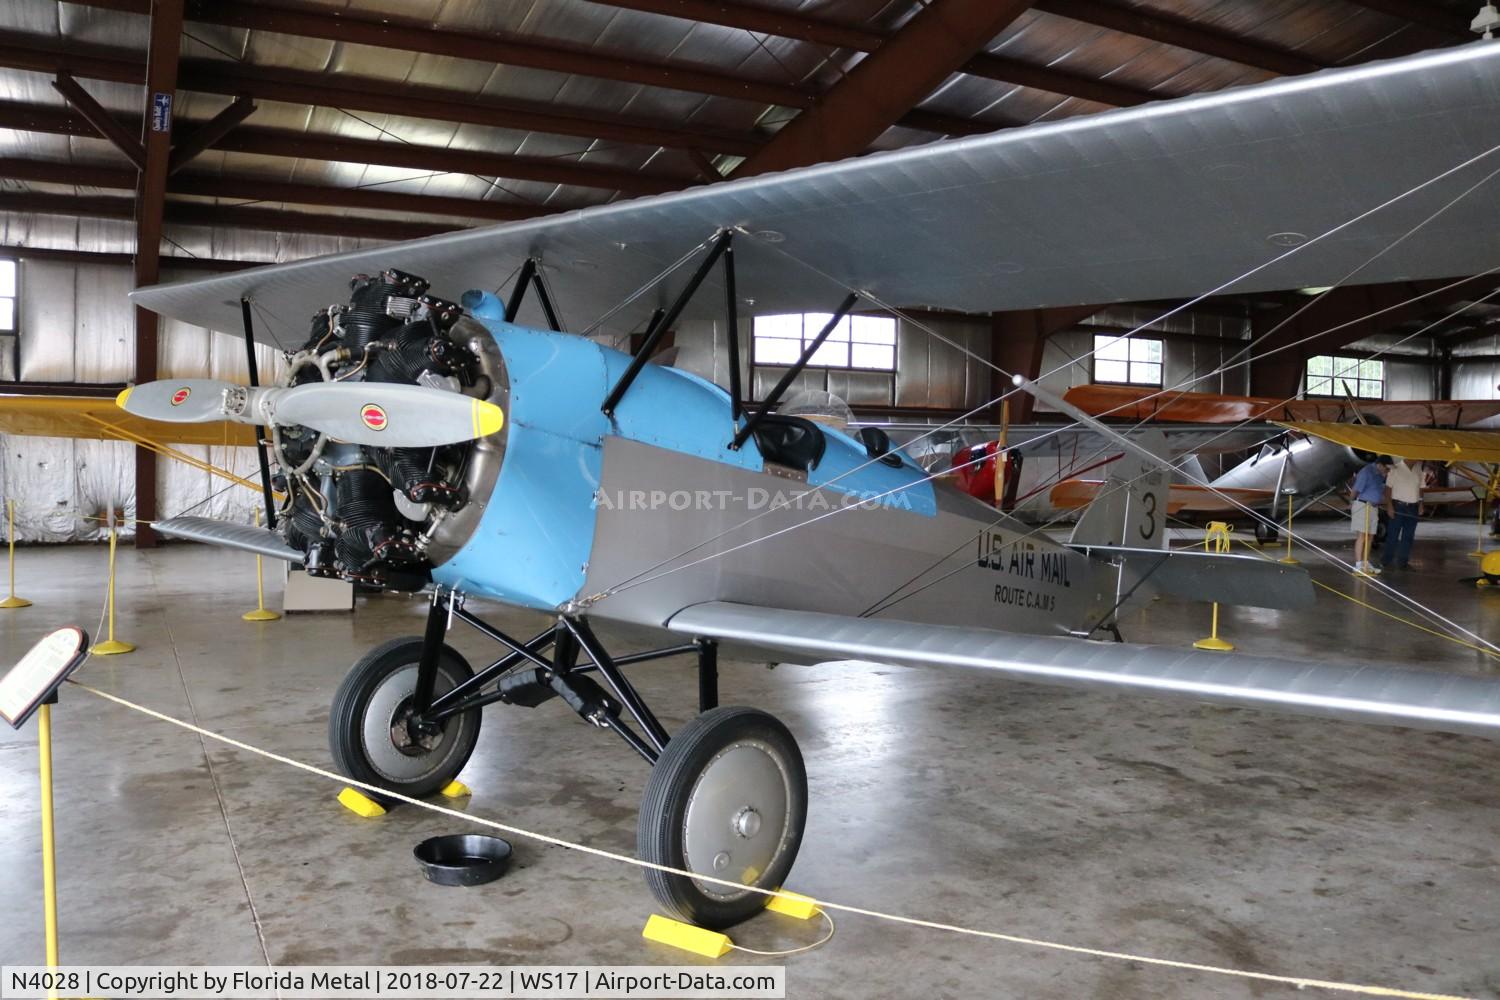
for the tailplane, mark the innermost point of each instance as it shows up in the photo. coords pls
(1131, 507)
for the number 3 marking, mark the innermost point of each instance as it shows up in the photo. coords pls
(1149, 528)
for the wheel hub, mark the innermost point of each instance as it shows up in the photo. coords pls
(411, 736)
(735, 826)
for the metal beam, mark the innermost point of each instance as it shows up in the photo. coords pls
(412, 35)
(99, 120)
(216, 216)
(1017, 342)
(1177, 32)
(439, 159)
(162, 54)
(215, 264)
(254, 189)
(200, 138)
(1056, 81)
(1339, 317)
(42, 54)
(887, 84)
(1183, 34)
(1424, 15)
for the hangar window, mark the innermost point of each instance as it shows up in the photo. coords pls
(8, 280)
(863, 342)
(1327, 375)
(1127, 360)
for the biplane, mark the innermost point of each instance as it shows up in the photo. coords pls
(1289, 464)
(427, 437)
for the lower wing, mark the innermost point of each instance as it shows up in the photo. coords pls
(1417, 698)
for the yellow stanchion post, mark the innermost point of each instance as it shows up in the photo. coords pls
(1288, 557)
(1216, 539)
(261, 613)
(12, 601)
(49, 842)
(111, 646)
(1478, 552)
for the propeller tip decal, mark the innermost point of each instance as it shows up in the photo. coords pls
(373, 416)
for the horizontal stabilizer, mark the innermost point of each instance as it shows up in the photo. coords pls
(1247, 581)
(1419, 698)
(261, 541)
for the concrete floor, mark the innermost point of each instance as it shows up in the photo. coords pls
(1220, 836)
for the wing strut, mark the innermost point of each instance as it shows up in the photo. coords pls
(791, 373)
(260, 432)
(664, 322)
(529, 276)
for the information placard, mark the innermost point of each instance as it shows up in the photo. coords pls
(45, 666)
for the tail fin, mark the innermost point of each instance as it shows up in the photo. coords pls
(1131, 508)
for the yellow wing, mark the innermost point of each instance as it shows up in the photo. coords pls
(98, 417)
(1416, 444)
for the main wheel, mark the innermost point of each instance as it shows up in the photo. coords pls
(1265, 534)
(370, 728)
(728, 799)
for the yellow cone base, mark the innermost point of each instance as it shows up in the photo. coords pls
(1288, 560)
(456, 790)
(794, 904)
(111, 647)
(15, 602)
(260, 615)
(1215, 643)
(676, 934)
(360, 804)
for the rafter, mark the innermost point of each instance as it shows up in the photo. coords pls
(258, 189)
(875, 94)
(38, 53)
(1182, 34)
(411, 35)
(438, 159)
(221, 217)
(1161, 28)
(1425, 15)
(196, 140)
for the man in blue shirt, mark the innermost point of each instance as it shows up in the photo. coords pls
(1364, 510)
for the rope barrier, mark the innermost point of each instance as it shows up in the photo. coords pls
(1301, 982)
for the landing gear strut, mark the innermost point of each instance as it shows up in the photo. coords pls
(726, 798)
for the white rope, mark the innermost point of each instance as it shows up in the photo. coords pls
(1297, 981)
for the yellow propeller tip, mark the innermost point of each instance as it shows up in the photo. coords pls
(124, 395)
(488, 418)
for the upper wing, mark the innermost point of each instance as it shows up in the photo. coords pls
(1166, 199)
(1128, 402)
(1417, 444)
(98, 417)
(1423, 699)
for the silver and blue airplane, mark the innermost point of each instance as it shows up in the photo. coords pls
(440, 445)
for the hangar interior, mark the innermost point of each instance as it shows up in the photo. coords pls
(1233, 838)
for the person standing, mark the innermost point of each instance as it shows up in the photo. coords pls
(1369, 495)
(1403, 504)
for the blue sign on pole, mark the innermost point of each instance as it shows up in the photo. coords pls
(161, 112)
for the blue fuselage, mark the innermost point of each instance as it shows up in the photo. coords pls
(532, 545)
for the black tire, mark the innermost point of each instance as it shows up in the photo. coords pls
(1265, 534)
(766, 775)
(380, 681)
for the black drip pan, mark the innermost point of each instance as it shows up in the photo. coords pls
(463, 858)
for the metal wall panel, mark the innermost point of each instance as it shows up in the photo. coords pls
(1410, 380)
(1476, 380)
(78, 325)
